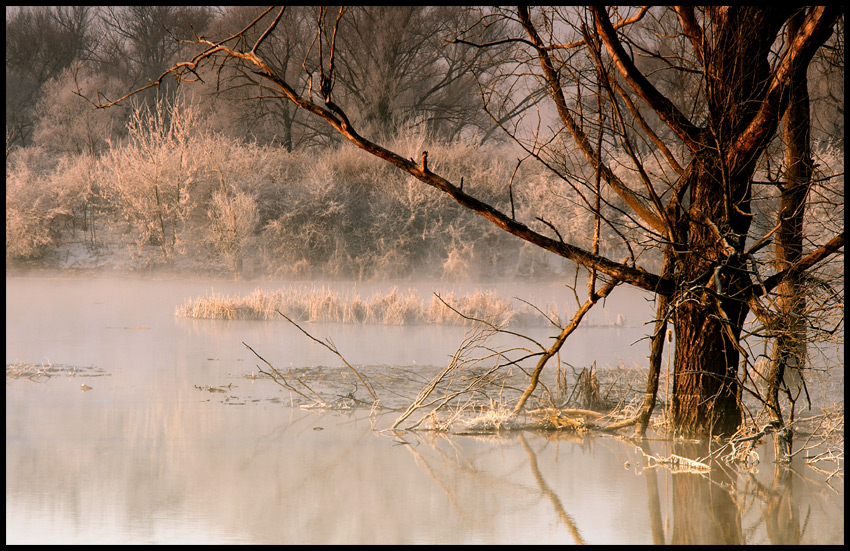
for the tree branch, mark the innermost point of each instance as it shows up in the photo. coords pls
(801, 265)
(580, 138)
(814, 31)
(667, 111)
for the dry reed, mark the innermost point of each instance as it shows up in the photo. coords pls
(392, 307)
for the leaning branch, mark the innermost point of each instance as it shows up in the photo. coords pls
(800, 266)
(559, 341)
(666, 110)
(556, 92)
(330, 346)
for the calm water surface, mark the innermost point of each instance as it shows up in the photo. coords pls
(150, 455)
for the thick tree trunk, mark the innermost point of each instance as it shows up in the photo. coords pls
(705, 386)
(707, 319)
(711, 267)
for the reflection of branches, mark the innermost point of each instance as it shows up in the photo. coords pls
(448, 467)
(419, 458)
(549, 493)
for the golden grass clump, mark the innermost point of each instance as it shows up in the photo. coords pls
(318, 305)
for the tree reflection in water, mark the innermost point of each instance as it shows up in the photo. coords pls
(726, 505)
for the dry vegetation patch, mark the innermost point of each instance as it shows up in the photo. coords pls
(323, 305)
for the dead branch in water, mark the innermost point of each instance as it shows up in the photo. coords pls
(561, 339)
(327, 343)
(473, 339)
(278, 378)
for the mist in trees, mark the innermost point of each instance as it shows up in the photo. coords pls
(223, 176)
(654, 147)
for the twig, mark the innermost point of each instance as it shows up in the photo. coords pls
(330, 346)
(278, 378)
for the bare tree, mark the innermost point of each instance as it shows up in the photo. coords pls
(686, 191)
(41, 42)
(143, 40)
(240, 97)
(396, 69)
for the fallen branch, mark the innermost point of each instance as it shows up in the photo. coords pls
(675, 463)
(330, 346)
(278, 378)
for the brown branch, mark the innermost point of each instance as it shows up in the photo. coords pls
(659, 143)
(557, 93)
(278, 378)
(337, 118)
(692, 30)
(632, 275)
(800, 266)
(666, 110)
(268, 30)
(330, 346)
(813, 32)
(559, 341)
(618, 25)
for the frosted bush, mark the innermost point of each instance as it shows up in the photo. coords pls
(233, 219)
(148, 177)
(34, 214)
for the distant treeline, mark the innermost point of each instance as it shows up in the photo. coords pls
(178, 194)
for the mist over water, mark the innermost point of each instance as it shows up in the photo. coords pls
(151, 455)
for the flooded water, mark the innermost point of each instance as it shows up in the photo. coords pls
(172, 441)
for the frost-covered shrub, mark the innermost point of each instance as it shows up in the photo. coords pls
(68, 123)
(150, 177)
(233, 219)
(34, 214)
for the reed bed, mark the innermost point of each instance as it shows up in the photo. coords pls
(392, 307)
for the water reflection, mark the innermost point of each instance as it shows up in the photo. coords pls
(723, 506)
(148, 457)
(550, 494)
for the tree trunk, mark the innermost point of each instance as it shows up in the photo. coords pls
(711, 267)
(707, 320)
(789, 347)
(704, 382)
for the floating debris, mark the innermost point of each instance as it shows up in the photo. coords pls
(208, 388)
(43, 371)
(85, 388)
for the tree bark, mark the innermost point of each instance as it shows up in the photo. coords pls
(707, 318)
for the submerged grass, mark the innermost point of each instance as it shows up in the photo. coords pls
(392, 307)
